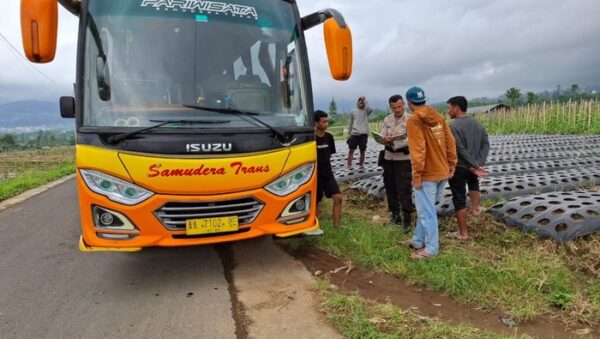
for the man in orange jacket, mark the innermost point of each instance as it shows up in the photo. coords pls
(433, 158)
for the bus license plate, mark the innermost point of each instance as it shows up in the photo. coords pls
(211, 225)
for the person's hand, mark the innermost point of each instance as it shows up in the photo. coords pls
(417, 185)
(387, 138)
(479, 171)
(451, 174)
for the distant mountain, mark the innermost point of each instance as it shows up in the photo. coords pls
(20, 115)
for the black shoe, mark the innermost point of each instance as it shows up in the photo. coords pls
(394, 220)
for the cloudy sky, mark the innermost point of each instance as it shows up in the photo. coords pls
(474, 48)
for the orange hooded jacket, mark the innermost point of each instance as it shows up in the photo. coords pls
(432, 146)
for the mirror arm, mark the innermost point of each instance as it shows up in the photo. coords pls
(73, 6)
(319, 17)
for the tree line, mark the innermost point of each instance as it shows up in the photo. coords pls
(36, 140)
(515, 95)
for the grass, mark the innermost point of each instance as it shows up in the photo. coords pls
(355, 317)
(499, 267)
(32, 178)
(24, 170)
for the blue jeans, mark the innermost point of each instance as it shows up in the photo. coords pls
(426, 231)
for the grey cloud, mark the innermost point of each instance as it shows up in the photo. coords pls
(478, 48)
(470, 47)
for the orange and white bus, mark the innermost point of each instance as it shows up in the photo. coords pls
(193, 118)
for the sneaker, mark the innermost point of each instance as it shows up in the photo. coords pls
(316, 232)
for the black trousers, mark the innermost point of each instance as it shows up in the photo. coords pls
(397, 179)
(458, 183)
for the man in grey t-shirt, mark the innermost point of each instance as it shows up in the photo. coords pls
(472, 147)
(359, 130)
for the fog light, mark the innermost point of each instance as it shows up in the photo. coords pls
(296, 210)
(300, 205)
(106, 219)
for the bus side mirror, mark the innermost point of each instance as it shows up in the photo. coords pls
(39, 23)
(338, 42)
(67, 107)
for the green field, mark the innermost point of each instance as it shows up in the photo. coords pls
(24, 170)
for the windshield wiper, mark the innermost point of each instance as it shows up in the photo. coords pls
(281, 137)
(116, 138)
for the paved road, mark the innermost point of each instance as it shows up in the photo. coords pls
(48, 289)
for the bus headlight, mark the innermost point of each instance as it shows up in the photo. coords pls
(290, 182)
(115, 189)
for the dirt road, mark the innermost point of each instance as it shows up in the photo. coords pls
(49, 289)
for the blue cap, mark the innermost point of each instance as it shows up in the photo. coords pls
(416, 95)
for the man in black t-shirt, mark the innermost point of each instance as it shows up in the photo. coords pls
(326, 183)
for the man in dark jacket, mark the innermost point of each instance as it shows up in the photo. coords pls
(472, 147)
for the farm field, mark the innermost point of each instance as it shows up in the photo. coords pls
(528, 278)
(572, 117)
(23, 170)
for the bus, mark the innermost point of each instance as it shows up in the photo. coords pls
(194, 119)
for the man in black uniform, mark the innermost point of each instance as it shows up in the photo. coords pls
(326, 183)
(397, 171)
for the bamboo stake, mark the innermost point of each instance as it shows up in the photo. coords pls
(589, 110)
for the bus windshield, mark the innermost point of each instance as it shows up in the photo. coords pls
(149, 60)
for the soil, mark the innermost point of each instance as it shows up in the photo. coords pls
(383, 288)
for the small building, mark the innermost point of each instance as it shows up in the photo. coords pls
(488, 108)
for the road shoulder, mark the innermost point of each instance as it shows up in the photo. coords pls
(32, 192)
(278, 293)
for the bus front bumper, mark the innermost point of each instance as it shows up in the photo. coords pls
(149, 229)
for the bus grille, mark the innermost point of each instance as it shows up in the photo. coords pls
(174, 214)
